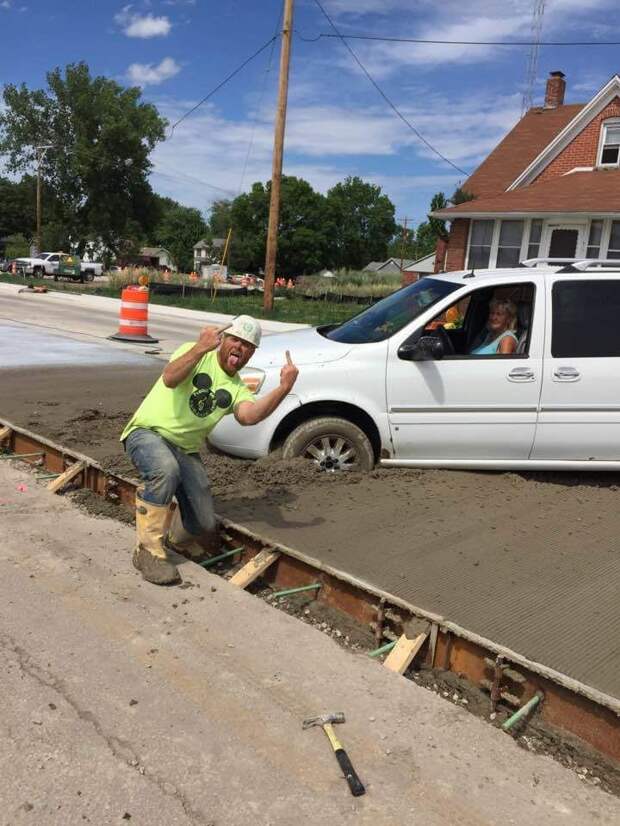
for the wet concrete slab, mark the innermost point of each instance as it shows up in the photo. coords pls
(25, 346)
(529, 563)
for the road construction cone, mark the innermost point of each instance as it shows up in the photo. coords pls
(134, 316)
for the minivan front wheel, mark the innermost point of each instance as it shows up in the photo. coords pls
(333, 444)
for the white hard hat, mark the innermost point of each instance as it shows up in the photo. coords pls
(246, 328)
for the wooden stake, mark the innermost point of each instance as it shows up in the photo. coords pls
(67, 476)
(5, 433)
(401, 656)
(433, 643)
(278, 151)
(254, 568)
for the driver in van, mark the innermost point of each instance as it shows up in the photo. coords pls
(499, 336)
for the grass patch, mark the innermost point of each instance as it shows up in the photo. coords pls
(294, 310)
(347, 284)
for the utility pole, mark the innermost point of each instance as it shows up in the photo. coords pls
(278, 149)
(403, 242)
(40, 153)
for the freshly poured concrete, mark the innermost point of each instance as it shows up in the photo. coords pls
(23, 346)
(123, 702)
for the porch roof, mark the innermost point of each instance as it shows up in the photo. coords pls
(578, 193)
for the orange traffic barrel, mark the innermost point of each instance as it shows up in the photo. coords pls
(134, 316)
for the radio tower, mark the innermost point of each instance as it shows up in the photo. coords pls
(532, 60)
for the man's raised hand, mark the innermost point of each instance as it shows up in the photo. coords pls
(211, 337)
(289, 373)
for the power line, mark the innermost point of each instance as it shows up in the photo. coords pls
(260, 102)
(173, 175)
(421, 40)
(385, 97)
(532, 62)
(222, 83)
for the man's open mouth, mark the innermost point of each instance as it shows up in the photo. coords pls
(234, 358)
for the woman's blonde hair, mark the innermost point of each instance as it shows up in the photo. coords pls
(509, 307)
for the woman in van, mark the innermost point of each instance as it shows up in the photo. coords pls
(500, 337)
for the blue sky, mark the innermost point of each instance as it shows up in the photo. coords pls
(462, 98)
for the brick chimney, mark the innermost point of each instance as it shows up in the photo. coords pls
(554, 93)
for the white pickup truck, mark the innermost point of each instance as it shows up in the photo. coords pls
(48, 263)
(90, 269)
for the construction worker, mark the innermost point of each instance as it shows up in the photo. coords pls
(199, 385)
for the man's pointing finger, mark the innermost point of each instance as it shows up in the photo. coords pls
(289, 360)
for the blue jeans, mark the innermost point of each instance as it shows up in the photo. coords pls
(167, 471)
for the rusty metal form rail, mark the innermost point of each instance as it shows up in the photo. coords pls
(509, 677)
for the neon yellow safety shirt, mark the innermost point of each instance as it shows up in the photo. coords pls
(187, 413)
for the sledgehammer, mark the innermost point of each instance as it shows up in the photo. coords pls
(326, 721)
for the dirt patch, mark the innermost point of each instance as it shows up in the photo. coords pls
(98, 506)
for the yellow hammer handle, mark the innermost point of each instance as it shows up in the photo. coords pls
(329, 731)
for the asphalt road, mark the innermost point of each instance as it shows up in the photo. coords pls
(96, 317)
(125, 702)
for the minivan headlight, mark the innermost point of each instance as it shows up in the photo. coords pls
(252, 378)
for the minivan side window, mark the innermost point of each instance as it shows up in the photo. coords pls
(585, 319)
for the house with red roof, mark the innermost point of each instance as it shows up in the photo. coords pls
(550, 189)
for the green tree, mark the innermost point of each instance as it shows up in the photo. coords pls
(178, 229)
(101, 135)
(461, 196)
(363, 223)
(403, 244)
(303, 233)
(220, 218)
(429, 231)
(17, 207)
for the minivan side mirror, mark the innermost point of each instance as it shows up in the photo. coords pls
(426, 348)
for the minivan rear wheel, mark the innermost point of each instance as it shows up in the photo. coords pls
(333, 444)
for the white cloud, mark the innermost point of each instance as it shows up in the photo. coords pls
(205, 158)
(5, 4)
(149, 74)
(143, 26)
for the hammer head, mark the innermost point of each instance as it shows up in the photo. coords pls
(324, 719)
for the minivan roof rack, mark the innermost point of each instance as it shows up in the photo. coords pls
(588, 263)
(531, 262)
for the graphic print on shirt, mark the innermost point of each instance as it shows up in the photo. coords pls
(203, 400)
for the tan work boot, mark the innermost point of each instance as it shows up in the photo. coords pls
(196, 548)
(150, 556)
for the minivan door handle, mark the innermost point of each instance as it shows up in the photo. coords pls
(521, 374)
(566, 374)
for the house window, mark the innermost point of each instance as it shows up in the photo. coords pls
(594, 240)
(509, 246)
(613, 250)
(480, 243)
(610, 150)
(533, 248)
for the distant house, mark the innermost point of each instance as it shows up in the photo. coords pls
(207, 252)
(156, 257)
(418, 269)
(550, 189)
(392, 265)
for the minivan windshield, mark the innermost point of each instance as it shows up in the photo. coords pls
(391, 314)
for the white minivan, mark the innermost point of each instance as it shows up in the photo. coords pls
(399, 384)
